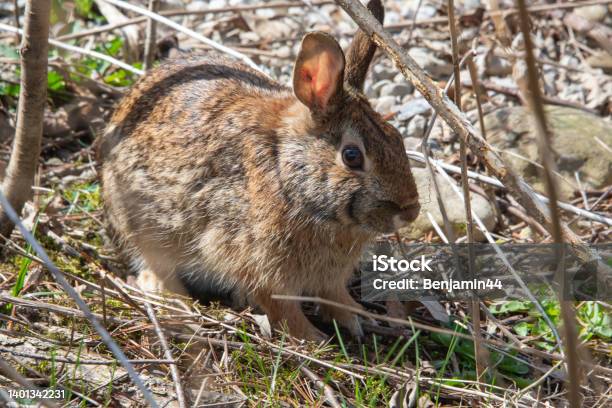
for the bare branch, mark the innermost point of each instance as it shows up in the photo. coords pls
(79, 50)
(17, 185)
(149, 52)
(180, 395)
(187, 31)
(458, 122)
(59, 277)
(533, 95)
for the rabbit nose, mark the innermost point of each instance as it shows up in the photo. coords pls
(410, 212)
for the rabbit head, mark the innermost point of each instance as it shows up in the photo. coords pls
(353, 168)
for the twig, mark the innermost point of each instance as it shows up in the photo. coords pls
(80, 50)
(9, 372)
(327, 390)
(59, 277)
(502, 13)
(180, 395)
(186, 31)
(477, 95)
(182, 12)
(514, 92)
(538, 381)
(413, 26)
(80, 360)
(150, 37)
(480, 354)
(418, 156)
(489, 342)
(533, 95)
(506, 263)
(16, 16)
(536, 226)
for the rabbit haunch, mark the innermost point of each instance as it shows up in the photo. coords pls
(217, 179)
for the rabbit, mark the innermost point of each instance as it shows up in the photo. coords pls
(215, 173)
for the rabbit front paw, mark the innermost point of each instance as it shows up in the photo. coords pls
(149, 282)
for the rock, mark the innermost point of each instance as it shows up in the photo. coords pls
(384, 104)
(378, 85)
(577, 144)
(430, 63)
(453, 205)
(396, 90)
(594, 13)
(426, 11)
(380, 72)
(497, 66)
(469, 4)
(417, 126)
(412, 143)
(417, 106)
(369, 90)
(601, 60)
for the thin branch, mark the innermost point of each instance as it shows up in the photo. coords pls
(480, 354)
(534, 97)
(330, 397)
(59, 277)
(16, 16)
(60, 359)
(506, 263)
(79, 50)
(9, 372)
(186, 31)
(419, 157)
(176, 377)
(458, 122)
(150, 37)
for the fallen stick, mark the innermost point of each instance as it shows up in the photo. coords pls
(80, 50)
(186, 31)
(418, 156)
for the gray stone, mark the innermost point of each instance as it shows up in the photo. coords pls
(417, 106)
(497, 66)
(429, 62)
(380, 72)
(412, 143)
(385, 104)
(395, 90)
(595, 13)
(379, 84)
(453, 204)
(369, 90)
(417, 126)
(577, 145)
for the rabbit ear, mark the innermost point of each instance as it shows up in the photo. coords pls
(319, 71)
(362, 49)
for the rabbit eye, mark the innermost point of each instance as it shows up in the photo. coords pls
(352, 157)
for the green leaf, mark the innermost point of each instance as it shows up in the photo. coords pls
(8, 51)
(511, 365)
(521, 382)
(510, 306)
(523, 328)
(7, 89)
(55, 82)
(84, 8)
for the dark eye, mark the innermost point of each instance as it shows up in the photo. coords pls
(352, 157)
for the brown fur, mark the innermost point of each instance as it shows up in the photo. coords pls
(215, 172)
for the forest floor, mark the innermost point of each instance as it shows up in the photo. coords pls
(230, 357)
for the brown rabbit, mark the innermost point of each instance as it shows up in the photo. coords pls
(216, 173)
